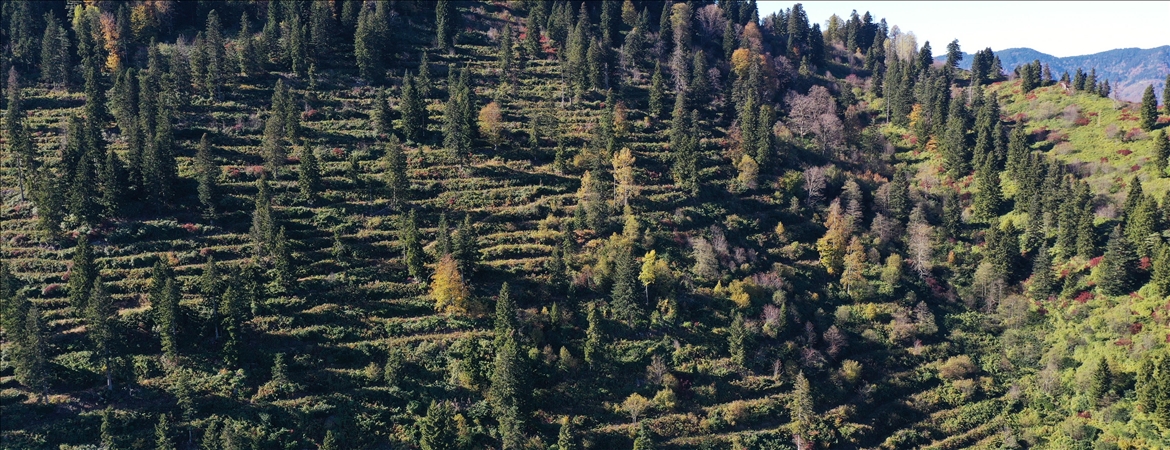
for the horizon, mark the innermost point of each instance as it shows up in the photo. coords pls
(1050, 36)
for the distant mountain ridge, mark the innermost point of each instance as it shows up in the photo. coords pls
(1129, 70)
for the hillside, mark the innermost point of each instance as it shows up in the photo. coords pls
(570, 225)
(1129, 70)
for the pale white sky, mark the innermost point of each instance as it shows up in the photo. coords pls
(1060, 29)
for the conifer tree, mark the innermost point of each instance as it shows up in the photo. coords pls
(465, 247)
(247, 53)
(110, 179)
(437, 428)
(263, 231)
(396, 179)
(309, 175)
(322, 30)
(273, 143)
(55, 47)
(623, 300)
(1166, 95)
(100, 320)
(216, 55)
(989, 198)
(1043, 280)
(1086, 232)
(207, 174)
(507, 57)
(32, 365)
(737, 340)
(1161, 152)
(593, 336)
(444, 24)
(507, 376)
(531, 41)
(381, 115)
(164, 300)
(81, 275)
(565, 438)
(643, 440)
(1160, 278)
(283, 269)
(229, 313)
(1119, 265)
(367, 43)
(411, 245)
(1149, 109)
(955, 147)
(657, 92)
(700, 86)
(162, 433)
(413, 110)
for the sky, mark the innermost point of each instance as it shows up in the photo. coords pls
(1057, 28)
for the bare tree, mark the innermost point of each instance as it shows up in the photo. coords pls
(816, 113)
(815, 181)
(921, 248)
(711, 21)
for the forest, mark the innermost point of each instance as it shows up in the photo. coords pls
(565, 224)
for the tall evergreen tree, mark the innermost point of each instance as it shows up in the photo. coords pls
(395, 175)
(164, 301)
(1149, 109)
(309, 175)
(207, 174)
(657, 92)
(1043, 280)
(263, 231)
(437, 428)
(100, 317)
(81, 275)
(381, 116)
(55, 47)
(32, 365)
(413, 110)
(445, 16)
(989, 198)
(1161, 152)
(412, 245)
(1119, 265)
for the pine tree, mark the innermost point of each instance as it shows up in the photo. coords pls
(507, 57)
(110, 179)
(657, 92)
(100, 320)
(1160, 278)
(229, 312)
(32, 368)
(1086, 233)
(505, 392)
(1149, 109)
(737, 341)
(309, 175)
(700, 86)
(273, 146)
(55, 47)
(164, 300)
(1119, 265)
(643, 440)
(593, 337)
(1161, 152)
(368, 39)
(1043, 280)
(444, 24)
(506, 322)
(565, 438)
(322, 30)
(162, 434)
(989, 198)
(801, 407)
(216, 55)
(283, 268)
(247, 55)
(437, 429)
(81, 275)
(207, 174)
(1165, 95)
(465, 247)
(396, 179)
(411, 245)
(623, 297)
(413, 111)
(263, 231)
(381, 115)
(955, 147)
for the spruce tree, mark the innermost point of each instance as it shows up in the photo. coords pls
(1086, 233)
(623, 299)
(216, 55)
(411, 246)
(263, 231)
(100, 318)
(1161, 152)
(207, 174)
(309, 175)
(565, 438)
(657, 92)
(465, 247)
(1043, 280)
(81, 275)
(989, 198)
(444, 24)
(1149, 109)
(247, 54)
(413, 110)
(367, 43)
(1160, 278)
(164, 301)
(507, 387)
(437, 429)
(229, 312)
(55, 56)
(395, 175)
(273, 146)
(283, 268)
(507, 57)
(737, 340)
(32, 365)
(381, 116)
(1119, 265)
(956, 149)
(594, 336)
(110, 179)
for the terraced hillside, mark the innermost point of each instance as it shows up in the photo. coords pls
(839, 277)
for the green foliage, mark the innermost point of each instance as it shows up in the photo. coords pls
(1149, 109)
(1118, 268)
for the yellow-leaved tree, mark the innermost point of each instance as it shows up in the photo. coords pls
(450, 291)
(831, 246)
